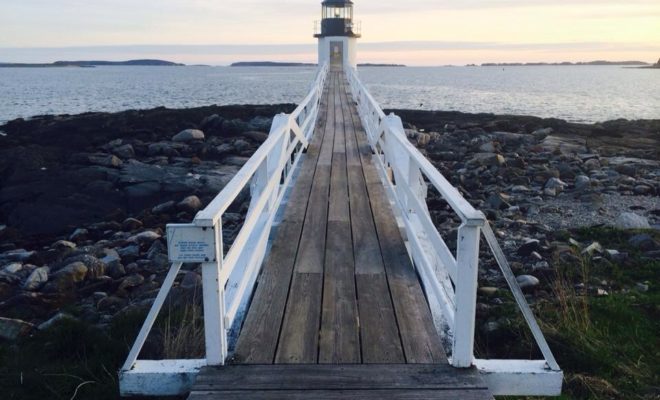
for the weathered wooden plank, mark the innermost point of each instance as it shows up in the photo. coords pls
(339, 203)
(333, 376)
(379, 333)
(368, 259)
(311, 252)
(394, 394)
(300, 329)
(339, 338)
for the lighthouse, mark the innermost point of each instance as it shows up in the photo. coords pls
(337, 34)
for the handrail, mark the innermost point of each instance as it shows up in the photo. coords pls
(268, 173)
(451, 281)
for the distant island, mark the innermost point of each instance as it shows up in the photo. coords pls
(294, 64)
(381, 65)
(270, 64)
(92, 64)
(537, 64)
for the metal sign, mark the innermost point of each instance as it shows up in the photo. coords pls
(189, 243)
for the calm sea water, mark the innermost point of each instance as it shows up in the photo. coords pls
(583, 94)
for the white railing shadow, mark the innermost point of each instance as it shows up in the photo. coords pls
(450, 282)
(227, 279)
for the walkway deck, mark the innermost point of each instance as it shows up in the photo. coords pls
(338, 290)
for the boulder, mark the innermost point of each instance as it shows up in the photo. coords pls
(144, 237)
(256, 136)
(188, 135)
(126, 151)
(643, 242)
(131, 224)
(12, 329)
(37, 279)
(582, 182)
(164, 207)
(190, 204)
(630, 220)
(105, 160)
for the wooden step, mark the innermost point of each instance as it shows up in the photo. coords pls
(357, 381)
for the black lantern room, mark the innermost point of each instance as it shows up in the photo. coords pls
(337, 19)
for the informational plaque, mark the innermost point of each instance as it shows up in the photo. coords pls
(189, 243)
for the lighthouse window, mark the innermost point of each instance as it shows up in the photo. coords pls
(336, 12)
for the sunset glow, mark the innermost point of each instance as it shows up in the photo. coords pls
(416, 32)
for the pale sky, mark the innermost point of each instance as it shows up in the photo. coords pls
(413, 32)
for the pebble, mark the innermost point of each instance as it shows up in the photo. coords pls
(527, 281)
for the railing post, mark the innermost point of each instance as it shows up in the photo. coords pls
(467, 260)
(215, 332)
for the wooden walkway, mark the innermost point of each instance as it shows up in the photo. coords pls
(338, 290)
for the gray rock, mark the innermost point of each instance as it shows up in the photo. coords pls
(241, 145)
(73, 273)
(131, 224)
(555, 183)
(12, 268)
(37, 279)
(164, 208)
(592, 164)
(144, 237)
(527, 281)
(188, 135)
(564, 145)
(126, 151)
(582, 182)
(530, 246)
(18, 255)
(95, 267)
(57, 318)
(256, 136)
(488, 290)
(111, 256)
(131, 281)
(594, 247)
(79, 234)
(111, 304)
(116, 270)
(63, 245)
(3, 227)
(105, 160)
(145, 189)
(259, 123)
(541, 134)
(642, 287)
(643, 242)
(12, 329)
(129, 251)
(630, 220)
(487, 159)
(190, 204)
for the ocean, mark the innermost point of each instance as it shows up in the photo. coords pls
(575, 93)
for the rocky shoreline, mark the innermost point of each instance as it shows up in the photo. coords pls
(84, 200)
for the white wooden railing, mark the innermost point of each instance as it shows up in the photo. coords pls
(227, 279)
(450, 281)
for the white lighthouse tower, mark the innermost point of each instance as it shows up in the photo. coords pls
(338, 34)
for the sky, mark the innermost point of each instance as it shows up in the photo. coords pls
(412, 32)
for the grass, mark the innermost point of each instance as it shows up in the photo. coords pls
(608, 346)
(76, 360)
